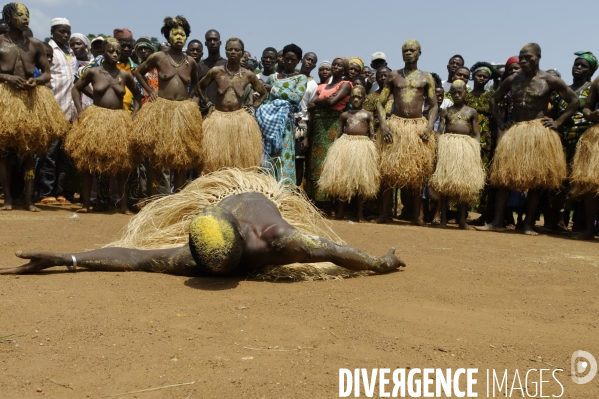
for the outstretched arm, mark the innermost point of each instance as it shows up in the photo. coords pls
(173, 260)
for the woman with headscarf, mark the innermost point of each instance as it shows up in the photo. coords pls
(330, 102)
(324, 72)
(80, 45)
(355, 67)
(585, 65)
(143, 50)
(275, 116)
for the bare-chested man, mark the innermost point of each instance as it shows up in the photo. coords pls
(243, 232)
(529, 154)
(232, 137)
(170, 124)
(214, 58)
(20, 96)
(407, 156)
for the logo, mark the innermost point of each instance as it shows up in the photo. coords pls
(583, 362)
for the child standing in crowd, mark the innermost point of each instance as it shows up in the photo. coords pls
(459, 175)
(351, 166)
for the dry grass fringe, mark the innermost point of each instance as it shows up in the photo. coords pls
(169, 133)
(30, 120)
(231, 140)
(408, 161)
(529, 155)
(100, 141)
(460, 173)
(584, 178)
(164, 223)
(351, 168)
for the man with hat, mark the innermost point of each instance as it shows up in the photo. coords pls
(96, 46)
(378, 60)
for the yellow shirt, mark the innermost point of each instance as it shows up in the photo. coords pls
(128, 98)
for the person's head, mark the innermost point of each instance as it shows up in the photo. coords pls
(80, 45)
(440, 94)
(355, 67)
(454, 63)
(382, 76)
(530, 56)
(437, 79)
(367, 71)
(144, 48)
(112, 50)
(378, 60)
(97, 46)
(234, 49)
(16, 15)
(358, 80)
(554, 72)
(3, 27)
(49, 52)
(195, 50)
(213, 42)
(462, 73)
(253, 64)
(358, 95)
(339, 67)
(458, 91)
(165, 46)
(411, 51)
(60, 31)
(584, 66)
(216, 241)
(498, 72)
(481, 73)
(512, 67)
(269, 58)
(125, 38)
(308, 63)
(176, 31)
(324, 71)
(292, 54)
(280, 57)
(244, 58)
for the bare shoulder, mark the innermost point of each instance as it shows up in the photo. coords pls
(471, 111)
(192, 63)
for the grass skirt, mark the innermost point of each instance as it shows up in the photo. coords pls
(29, 120)
(164, 223)
(529, 155)
(460, 174)
(169, 133)
(585, 165)
(231, 140)
(408, 161)
(351, 168)
(100, 141)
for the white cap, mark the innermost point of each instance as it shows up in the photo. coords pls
(60, 21)
(98, 39)
(378, 56)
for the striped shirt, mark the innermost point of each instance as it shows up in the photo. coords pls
(62, 70)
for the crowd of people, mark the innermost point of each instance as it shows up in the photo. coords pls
(116, 114)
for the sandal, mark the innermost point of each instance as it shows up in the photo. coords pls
(62, 200)
(48, 200)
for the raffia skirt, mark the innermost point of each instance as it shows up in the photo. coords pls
(101, 141)
(584, 178)
(169, 133)
(231, 140)
(459, 174)
(408, 161)
(529, 155)
(29, 120)
(351, 168)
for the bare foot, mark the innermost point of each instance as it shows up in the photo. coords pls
(442, 225)
(583, 236)
(464, 226)
(489, 227)
(6, 207)
(82, 210)
(530, 232)
(381, 220)
(392, 262)
(361, 220)
(32, 208)
(417, 222)
(125, 212)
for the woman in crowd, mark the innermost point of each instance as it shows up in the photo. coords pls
(100, 140)
(324, 72)
(275, 115)
(355, 67)
(331, 101)
(80, 45)
(143, 50)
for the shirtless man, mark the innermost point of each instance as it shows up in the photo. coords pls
(214, 58)
(407, 157)
(231, 135)
(531, 90)
(19, 56)
(253, 235)
(176, 73)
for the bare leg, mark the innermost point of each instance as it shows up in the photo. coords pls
(361, 218)
(443, 206)
(534, 195)
(29, 172)
(5, 181)
(418, 214)
(591, 207)
(385, 215)
(437, 218)
(179, 180)
(463, 211)
(340, 210)
(123, 192)
(86, 191)
(503, 194)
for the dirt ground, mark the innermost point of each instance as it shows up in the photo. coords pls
(466, 300)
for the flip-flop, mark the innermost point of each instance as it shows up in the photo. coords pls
(48, 200)
(62, 200)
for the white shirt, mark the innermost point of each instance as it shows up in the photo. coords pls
(375, 87)
(262, 77)
(311, 89)
(62, 72)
